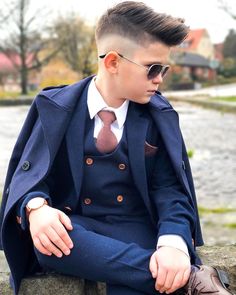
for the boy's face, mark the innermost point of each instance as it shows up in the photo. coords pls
(133, 80)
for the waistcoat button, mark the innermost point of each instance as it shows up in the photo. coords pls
(89, 161)
(120, 198)
(87, 201)
(122, 166)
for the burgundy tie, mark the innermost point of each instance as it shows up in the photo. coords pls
(106, 139)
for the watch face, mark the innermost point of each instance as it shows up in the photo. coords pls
(35, 203)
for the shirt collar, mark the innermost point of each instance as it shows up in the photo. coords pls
(96, 103)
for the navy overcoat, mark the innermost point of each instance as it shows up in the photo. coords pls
(44, 140)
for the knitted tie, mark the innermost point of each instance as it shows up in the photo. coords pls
(106, 139)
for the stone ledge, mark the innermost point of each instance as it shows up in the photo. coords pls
(223, 257)
(52, 284)
(15, 102)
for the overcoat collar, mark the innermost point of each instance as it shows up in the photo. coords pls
(55, 108)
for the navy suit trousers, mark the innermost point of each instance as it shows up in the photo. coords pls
(111, 249)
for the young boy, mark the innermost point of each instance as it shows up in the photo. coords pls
(99, 184)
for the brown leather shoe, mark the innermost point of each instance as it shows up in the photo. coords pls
(207, 280)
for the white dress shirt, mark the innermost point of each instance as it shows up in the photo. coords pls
(95, 104)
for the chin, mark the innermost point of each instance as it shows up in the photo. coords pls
(144, 100)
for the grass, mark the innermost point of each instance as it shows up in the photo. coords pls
(225, 98)
(220, 210)
(8, 95)
(16, 95)
(190, 153)
(231, 225)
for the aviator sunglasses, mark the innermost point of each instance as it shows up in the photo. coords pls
(153, 70)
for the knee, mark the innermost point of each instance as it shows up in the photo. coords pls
(43, 259)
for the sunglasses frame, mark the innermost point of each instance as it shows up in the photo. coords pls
(163, 71)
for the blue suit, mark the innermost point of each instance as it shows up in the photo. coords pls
(47, 150)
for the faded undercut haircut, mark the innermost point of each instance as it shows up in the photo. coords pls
(140, 23)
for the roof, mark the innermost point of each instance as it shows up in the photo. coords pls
(190, 59)
(7, 64)
(194, 38)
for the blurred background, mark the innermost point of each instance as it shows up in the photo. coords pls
(44, 43)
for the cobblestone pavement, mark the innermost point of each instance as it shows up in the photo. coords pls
(211, 135)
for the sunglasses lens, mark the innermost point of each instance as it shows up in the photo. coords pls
(155, 70)
(165, 70)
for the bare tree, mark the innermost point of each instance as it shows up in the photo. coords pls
(78, 43)
(227, 6)
(25, 40)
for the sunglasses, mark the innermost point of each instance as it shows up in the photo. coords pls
(152, 71)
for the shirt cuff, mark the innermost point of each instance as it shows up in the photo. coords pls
(21, 214)
(174, 241)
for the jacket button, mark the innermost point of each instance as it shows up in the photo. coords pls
(26, 165)
(122, 166)
(120, 198)
(183, 165)
(87, 201)
(89, 161)
(7, 191)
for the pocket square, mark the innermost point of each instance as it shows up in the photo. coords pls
(150, 150)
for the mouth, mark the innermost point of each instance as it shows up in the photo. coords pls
(151, 91)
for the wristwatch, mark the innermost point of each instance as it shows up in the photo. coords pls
(34, 204)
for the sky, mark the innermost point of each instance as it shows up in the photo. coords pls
(197, 13)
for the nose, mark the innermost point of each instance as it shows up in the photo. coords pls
(158, 79)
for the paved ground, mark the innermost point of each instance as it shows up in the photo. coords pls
(209, 134)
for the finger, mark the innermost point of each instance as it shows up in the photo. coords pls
(45, 241)
(161, 277)
(57, 240)
(153, 266)
(63, 234)
(168, 281)
(65, 220)
(186, 276)
(177, 283)
(40, 247)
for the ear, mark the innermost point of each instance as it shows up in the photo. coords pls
(111, 61)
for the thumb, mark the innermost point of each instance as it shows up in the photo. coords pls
(153, 266)
(65, 220)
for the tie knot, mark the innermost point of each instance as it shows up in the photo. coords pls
(107, 117)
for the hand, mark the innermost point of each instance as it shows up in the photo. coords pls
(171, 268)
(48, 229)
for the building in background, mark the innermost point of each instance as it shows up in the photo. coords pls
(194, 61)
(10, 73)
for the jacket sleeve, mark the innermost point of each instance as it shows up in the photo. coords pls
(41, 190)
(175, 212)
(15, 158)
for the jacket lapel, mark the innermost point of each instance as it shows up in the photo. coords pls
(167, 122)
(137, 125)
(75, 141)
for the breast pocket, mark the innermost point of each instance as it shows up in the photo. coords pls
(150, 150)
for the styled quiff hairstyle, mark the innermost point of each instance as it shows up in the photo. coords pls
(140, 23)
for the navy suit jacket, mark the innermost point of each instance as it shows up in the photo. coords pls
(47, 150)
